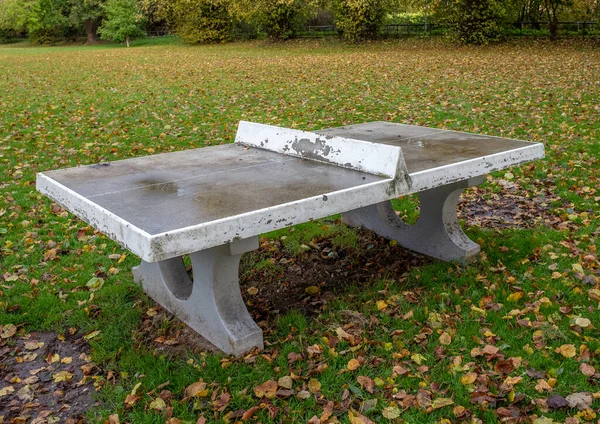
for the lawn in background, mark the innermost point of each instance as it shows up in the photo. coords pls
(490, 341)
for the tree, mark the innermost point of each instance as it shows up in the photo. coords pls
(88, 14)
(476, 21)
(158, 12)
(359, 20)
(13, 14)
(203, 21)
(123, 20)
(553, 10)
(282, 19)
(47, 21)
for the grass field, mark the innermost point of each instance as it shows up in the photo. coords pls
(419, 342)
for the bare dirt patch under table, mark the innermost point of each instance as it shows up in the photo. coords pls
(44, 379)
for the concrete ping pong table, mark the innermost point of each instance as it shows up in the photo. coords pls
(213, 202)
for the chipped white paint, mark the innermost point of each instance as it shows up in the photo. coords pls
(374, 158)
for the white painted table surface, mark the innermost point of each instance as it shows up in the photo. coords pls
(167, 205)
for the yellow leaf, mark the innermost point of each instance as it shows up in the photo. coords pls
(158, 404)
(353, 364)
(391, 412)
(285, 382)
(515, 297)
(8, 330)
(381, 305)
(441, 402)
(134, 390)
(314, 385)
(33, 345)
(418, 358)
(66, 360)
(6, 390)
(567, 350)
(62, 376)
(468, 378)
(91, 335)
(583, 322)
(312, 290)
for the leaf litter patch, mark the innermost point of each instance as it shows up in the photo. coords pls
(512, 207)
(44, 379)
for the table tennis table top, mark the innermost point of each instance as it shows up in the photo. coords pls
(168, 204)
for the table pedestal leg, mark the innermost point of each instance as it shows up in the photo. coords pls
(437, 232)
(211, 304)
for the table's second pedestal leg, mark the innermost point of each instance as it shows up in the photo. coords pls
(211, 304)
(437, 232)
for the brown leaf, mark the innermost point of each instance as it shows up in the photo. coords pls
(581, 400)
(587, 369)
(445, 339)
(250, 413)
(357, 418)
(490, 350)
(424, 399)
(131, 400)
(314, 350)
(113, 419)
(366, 383)
(504, 366)
(197, 389)
(221, 403)
(327, 411)
(556, 402)
(284, 393)
(268, 389)
(293, 357)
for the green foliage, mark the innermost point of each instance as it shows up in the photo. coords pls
(13, 15)
(203, 21)
(282, 19)
(123, 20)
(157, 11)
(87, 14)
(47, 21)
(358, 20)
(476, 21)
(405, 18)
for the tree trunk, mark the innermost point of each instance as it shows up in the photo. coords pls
(91, 30)
(127, 40)
(553, 29)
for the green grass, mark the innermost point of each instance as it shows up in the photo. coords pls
(69, 105)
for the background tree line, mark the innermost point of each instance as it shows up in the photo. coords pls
(201, 21)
